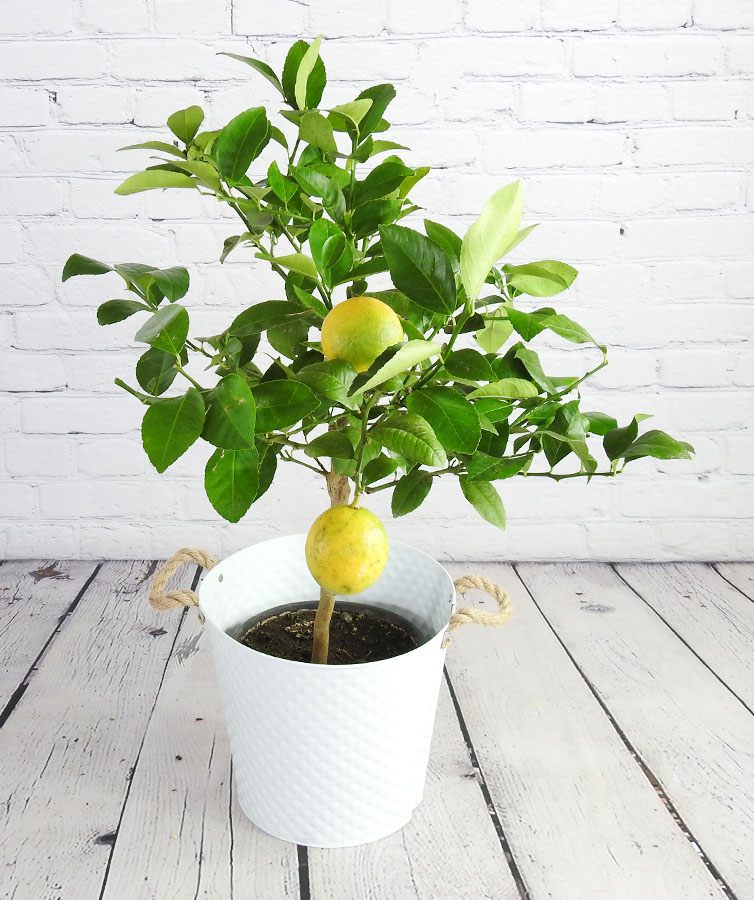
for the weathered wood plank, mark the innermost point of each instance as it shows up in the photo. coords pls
(71, 741)
(715, 619)
(582, 820)
(687, 727)
(739, 574)
(180, 837)
(449, 849)
(34, 594)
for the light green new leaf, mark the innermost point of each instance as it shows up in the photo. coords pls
(229, 422)
(304, 71)
(231, 481)
(496, 331)
(355, 110)
(485, 500)
(154, 179)
(541, 279)
(506, 389)
(489, 237)
(314, 129)
(170, 426)
(205, 173)
(296, 262)
(186, 122)
(411, 436)
(410, 492)
(453, 419)
(409, 355)
(167, 329)
(333, 444)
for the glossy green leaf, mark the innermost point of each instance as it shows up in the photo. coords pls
(173, 282)
(113, 311)
(204, 172)
(167, 329)
(468, 365)
(304, 70)
(260, 67)
(282, 403)
(331, 251)
(381, 181)
(569, 329)
(408, 355)
(76, 264)
(232, 242)
(381, 96)
(528, 325)
(333, 444)
(446, 240)
(506, 389)
(230, 417)
(231, 481)
(419, 268)
(541, 279)
(170, 426)
(159, 146)
(268, 314)
(488, 238)
(618, 440)
(186, 122)
(378, 468)
(485, 500)
(495, 409)
(600, 423)
(368, 217)
(154, 179)
(314, 129)
(659, 445)
(410, 492)
(411, 436)
(296, 262)
(331, 379)
(453, 419)
(315, 84)
(482, 467)
(241, 142)
(268, 463)
(156, 371)
(283, 187)
(533, 365)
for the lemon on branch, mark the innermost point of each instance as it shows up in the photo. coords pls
(346, 549)
(358, 330)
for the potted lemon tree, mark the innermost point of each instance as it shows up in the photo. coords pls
(394, 355)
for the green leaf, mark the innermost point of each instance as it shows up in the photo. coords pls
(83, 265)
(204, 172)
(241, 142)
(229, 422)
(331, 251)
(267, 467)
(156, 371)
(468, 365)
(382, 147)
(331, 379)
(506, 389)
(170, 426)
(314, 129)
(453, 419)
(378, 468)
(281, 403)
(482, 467)
(231, 481)
(173, 282)
(370, 216)
(186, 122)
(569, 329)
(261, 67)
(411, 436)
(355, 110)
(541, 279)
(333, 444)
(154, 179)
(381, 96)
(446, 240)
(659, 445)
(496, 410)
(296, 262)
(283, 188)
(289, 338)
(304, 70)
(531, 361)
(159, 146)
(315, 84)
(528, 325)
(167, 329)
(618, 440)
(600, 423)
(419, 268)
(410, 492)
(269, 314)
(381, 181)
(113, 311)
(496, 331)
(422, 319)
(485, 500)
(230, 244)
(310, 302)
(488, 238)
(408, 355)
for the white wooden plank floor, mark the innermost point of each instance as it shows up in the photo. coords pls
(599, 747)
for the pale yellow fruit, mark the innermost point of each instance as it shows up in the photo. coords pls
(358, 330)
(346, 549)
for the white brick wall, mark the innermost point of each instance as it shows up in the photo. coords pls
(631, 123)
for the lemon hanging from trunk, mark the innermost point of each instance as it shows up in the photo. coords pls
(357, 330)
(346, 549)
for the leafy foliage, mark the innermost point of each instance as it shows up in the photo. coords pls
(465, 394)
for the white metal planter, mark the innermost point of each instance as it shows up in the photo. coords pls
(327, 756)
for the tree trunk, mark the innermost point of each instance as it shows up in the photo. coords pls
(339, 490)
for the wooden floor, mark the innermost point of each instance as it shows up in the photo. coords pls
(599, 747)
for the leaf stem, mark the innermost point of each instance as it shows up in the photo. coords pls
(179, 368)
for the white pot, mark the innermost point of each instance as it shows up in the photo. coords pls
(327, 756)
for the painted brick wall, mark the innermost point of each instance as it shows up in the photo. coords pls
(630, 124)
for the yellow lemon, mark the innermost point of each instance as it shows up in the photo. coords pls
(358, 330)
(346, 549)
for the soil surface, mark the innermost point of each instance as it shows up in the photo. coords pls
(357, 635)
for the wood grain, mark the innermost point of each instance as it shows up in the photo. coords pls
(739, 574)
(582, 821)
(689, 729)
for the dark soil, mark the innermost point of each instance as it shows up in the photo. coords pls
(357, 634)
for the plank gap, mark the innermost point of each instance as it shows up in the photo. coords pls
(714, 567)
(649, 775)
(484, 788)
(20, 690)
(682, 639)
(304, 886)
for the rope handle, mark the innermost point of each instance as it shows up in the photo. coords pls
(161, 599)
(479, 616)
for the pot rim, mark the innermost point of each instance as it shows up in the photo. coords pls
(346, 667)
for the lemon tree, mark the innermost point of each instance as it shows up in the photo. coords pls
(397, 351)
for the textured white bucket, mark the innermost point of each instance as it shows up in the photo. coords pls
(327, 756)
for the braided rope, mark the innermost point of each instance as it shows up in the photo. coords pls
(479, 616)
(161, 599)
